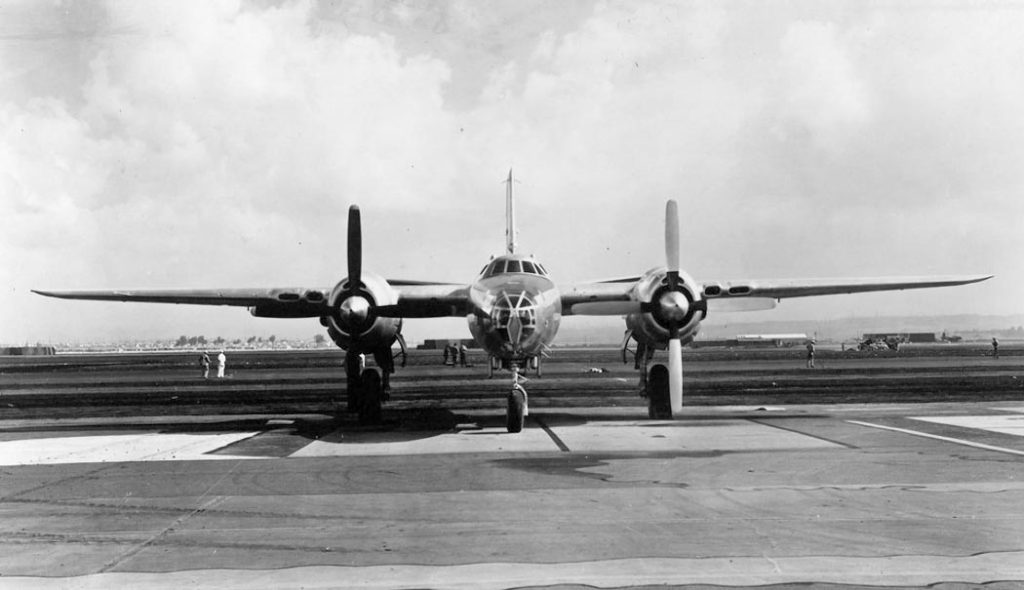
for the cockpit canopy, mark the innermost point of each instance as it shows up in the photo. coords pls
(508, 264)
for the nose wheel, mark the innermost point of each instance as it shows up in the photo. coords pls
(516, 410)
(517, 404)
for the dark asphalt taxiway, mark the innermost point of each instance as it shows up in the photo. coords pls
(849, 494)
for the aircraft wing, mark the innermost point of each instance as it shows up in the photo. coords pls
(599, 298)
(275, 302)
(238, 297)
(786, 288)
(416, 299)
(612, 297)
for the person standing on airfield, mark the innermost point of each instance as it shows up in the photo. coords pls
(462, 354)
(221, 362)
(204, 362)
(810, 354)
(447, 351)
(995, 348)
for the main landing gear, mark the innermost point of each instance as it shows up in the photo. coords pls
(368, 388)
(659, 404)
(654, 383)
(365, 392)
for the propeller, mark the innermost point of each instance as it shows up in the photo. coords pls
(675, 307)
(355, 250)
(354, 310)
(672, 243)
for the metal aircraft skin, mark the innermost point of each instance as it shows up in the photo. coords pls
(514, 309)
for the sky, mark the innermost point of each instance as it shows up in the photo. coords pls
(220, 143)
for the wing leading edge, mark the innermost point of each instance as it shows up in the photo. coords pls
(787, 288)
(614, 296)
(420, 299)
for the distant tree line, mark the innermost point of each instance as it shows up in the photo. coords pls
(220, 341)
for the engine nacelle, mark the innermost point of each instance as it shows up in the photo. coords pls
(352, 324)
(664, 308)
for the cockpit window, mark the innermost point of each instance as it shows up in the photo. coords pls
(495, 268)
(504, 265)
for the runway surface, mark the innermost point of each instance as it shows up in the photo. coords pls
(897, 494)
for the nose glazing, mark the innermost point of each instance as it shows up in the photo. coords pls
(515, 317)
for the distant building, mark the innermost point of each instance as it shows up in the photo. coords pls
(438, 344)
(27, 350)
(903, 337)
(777, 340)
(756, 340)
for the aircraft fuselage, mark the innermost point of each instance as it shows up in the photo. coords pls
(515, 308)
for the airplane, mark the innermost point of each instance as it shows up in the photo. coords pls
(514, 309)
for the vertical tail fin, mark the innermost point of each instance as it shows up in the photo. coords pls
(510, 216)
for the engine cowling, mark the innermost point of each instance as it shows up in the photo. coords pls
(665, 309)
(351, 322)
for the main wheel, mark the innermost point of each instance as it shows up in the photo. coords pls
(516, 408)
(353, 382)
(371, 396)
(659, 404)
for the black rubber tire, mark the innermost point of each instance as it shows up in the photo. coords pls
(371, 397)
(353, 385)
(516, 409)
(659, 404)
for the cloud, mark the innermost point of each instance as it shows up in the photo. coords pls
(220, 143)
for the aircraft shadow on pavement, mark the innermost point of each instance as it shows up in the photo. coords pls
(562, 418)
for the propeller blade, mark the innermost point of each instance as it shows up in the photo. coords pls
(355, 249)
(672, 243)
(675, 375)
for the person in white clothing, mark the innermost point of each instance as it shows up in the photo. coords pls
(221, 361)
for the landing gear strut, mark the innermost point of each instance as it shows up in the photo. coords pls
(654, 383)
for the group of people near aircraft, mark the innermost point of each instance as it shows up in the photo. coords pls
(457, 353)
(204, 362)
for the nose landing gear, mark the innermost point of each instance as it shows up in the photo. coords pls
(518, 407)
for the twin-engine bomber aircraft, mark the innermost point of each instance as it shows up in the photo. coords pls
(514, 309)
